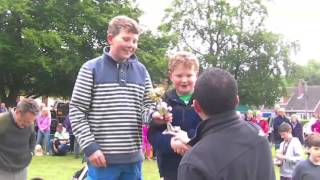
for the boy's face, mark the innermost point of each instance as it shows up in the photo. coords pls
(183, 79)
(123, 45)
(314, 154)
(285, 135)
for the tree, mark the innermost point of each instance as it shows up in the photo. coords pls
(152, 53)
(43, 43)
(309, 73)
(232, 36)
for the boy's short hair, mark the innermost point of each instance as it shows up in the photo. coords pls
(119, 23)
(312, 140)
(28, 105)
(284, 127)
(187, 59)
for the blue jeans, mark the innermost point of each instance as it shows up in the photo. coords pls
(130, 171)
(76, 147)
(44, 136)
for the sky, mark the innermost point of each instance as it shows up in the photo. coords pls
(296, 20)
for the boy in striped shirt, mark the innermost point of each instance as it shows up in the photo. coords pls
(109, 103)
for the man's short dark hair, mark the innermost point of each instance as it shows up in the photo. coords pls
(28, 105)
(216, 91)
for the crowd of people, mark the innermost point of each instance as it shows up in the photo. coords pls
(201, 137)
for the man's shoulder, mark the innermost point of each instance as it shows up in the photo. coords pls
(4, 121)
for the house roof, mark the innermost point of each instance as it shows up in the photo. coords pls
(308, 102)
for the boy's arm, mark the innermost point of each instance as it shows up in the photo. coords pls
(160, 142)
(79, 107)
(148, 105)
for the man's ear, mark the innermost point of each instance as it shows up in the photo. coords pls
(197, 106)
(237, 101)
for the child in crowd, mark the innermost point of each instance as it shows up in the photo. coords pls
(264, 125)
(183, 72)
(147, 149)
(309, 169)
(289, 153)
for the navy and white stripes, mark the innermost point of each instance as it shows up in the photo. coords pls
(108, 113)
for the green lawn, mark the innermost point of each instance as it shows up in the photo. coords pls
(63, 168)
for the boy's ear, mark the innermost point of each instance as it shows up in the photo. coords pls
(109, 38)
(307, 150)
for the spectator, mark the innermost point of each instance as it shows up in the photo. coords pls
(43, 123)
(309, 169)
(74, 145)
(60, 143)
(3, 108)
(297, 128)
(17, 139)
(263, 124)
(249, 115)
(224, 146)
(316, 126)
(289, 153)
(276, 123)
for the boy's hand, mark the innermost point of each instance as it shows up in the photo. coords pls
(160, 119)
(97, 159)
(280, 156)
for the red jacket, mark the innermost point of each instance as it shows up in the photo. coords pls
(263, 124)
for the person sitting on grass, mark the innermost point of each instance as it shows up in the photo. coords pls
(309, 169)
(60, 143)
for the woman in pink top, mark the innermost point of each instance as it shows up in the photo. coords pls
(44, 122)
(316, 126)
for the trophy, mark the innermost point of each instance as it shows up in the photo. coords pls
(161, 106)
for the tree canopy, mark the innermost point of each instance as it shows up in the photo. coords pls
(231, 35)
(309, 72)
(43, 43)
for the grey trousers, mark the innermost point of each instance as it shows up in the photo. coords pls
(19, 175)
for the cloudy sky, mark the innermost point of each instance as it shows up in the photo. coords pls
(294, 19)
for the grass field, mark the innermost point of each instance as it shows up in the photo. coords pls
(63, 168)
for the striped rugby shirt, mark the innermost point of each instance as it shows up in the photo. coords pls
(108, 104)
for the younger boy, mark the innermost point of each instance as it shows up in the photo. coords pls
(289, 153)
(109, 101)
(183, 71)
(309, 169)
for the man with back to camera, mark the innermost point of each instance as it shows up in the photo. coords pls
(224, 147)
